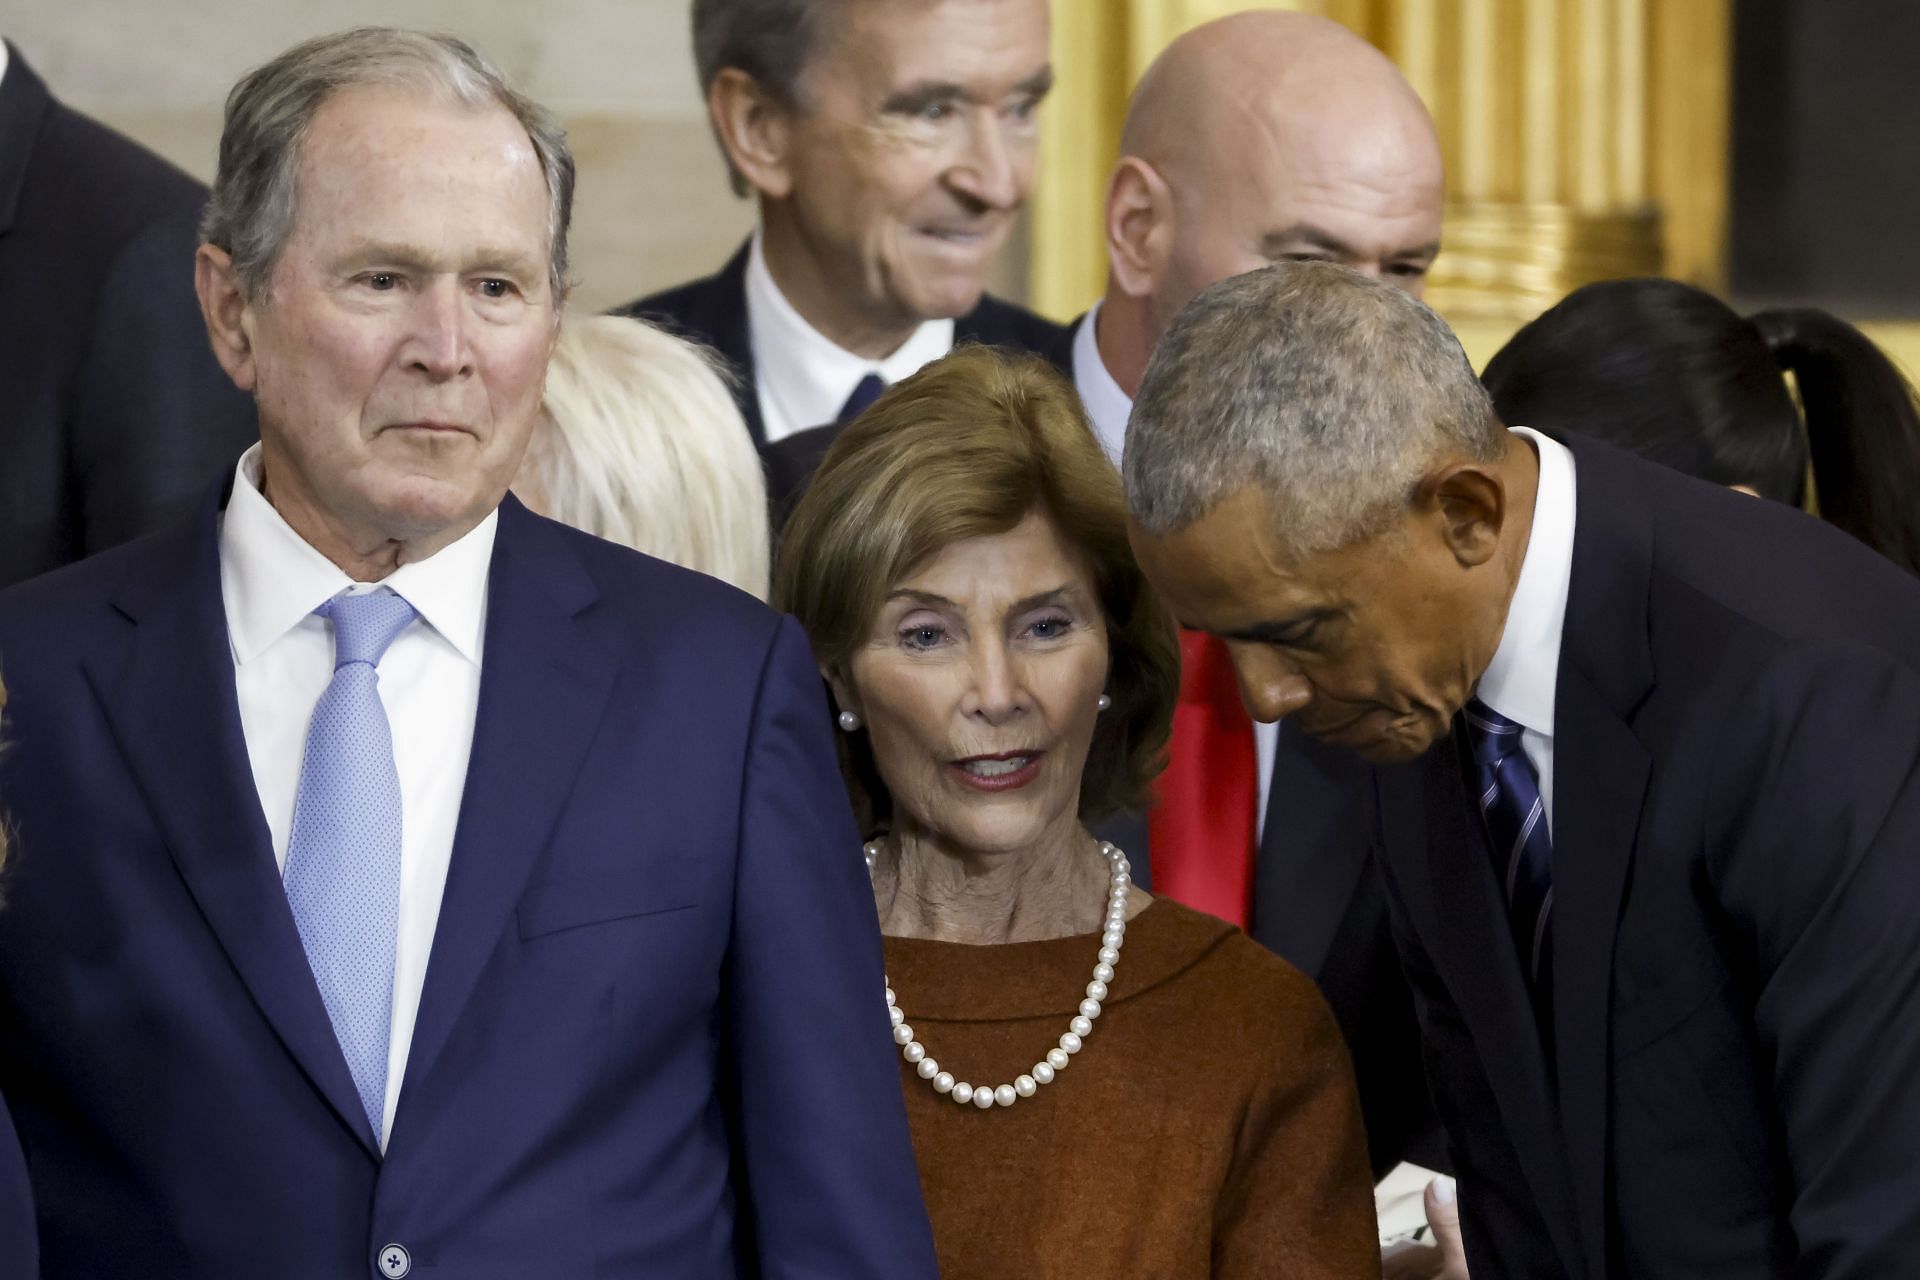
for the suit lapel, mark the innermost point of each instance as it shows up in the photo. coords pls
(543, 691)
(24, 104)
(1428, 831)
(1310, 856)
(1600, 782)
(175, 713)
(1601, 775)
(732, 338)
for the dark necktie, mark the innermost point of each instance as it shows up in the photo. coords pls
(865, 392)
(1515, 823)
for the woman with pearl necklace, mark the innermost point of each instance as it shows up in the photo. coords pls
(1099, 1082)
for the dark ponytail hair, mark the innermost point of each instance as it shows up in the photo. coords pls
(1675, 375)
(1862, 424)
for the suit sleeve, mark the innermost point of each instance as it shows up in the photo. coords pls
(1298, 1200)
(830, 1175)
(1813, 844)
(156, 421)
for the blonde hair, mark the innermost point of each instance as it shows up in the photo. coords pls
(641, 443)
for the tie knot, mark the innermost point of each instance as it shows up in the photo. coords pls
(364, 625)
(865, 392)
(1494, 736)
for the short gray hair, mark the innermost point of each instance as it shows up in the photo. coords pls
(251, 211)
(770, 40)
(1330, 391)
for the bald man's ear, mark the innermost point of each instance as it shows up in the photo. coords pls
(1139, 226)
(754, 129)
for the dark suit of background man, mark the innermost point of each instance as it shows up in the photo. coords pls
(889, 145)
(406, 882)
(116, 419)
(1647, 784)
(1348, 168)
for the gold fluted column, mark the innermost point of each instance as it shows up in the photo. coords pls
(1584, 139)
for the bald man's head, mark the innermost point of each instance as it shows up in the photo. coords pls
(1260, 137)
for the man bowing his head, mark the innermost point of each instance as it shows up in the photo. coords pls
(1646, 788)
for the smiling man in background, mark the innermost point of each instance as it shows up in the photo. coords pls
(890, 146)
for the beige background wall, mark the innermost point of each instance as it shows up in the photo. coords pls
(653, 206)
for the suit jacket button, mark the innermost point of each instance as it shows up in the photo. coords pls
(393, 1261)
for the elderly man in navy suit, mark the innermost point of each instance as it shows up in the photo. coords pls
(889, 145)
(1646, 788)
(405, 882)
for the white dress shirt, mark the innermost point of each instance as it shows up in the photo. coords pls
(801, 376)
(1519, 683)
(271, 581)
(1108, 408)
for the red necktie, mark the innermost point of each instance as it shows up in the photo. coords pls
(1200, 833)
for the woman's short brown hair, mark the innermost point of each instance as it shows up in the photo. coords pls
(967, 448)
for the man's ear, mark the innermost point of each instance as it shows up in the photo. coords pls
(1469, 499)
(755, 130)
(228, 315)
(1139, 226)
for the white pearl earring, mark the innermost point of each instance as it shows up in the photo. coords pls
(1104, 702)
(849, 722)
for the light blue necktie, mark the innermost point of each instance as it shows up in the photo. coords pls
(343, 858)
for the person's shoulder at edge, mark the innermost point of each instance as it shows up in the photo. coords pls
(684, 308)
(115, 178)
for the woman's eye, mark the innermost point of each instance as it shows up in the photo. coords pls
(922, 637)
(1051, 628)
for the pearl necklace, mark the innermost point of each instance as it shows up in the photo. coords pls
(1078, 1029)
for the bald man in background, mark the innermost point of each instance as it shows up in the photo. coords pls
(1255, 138)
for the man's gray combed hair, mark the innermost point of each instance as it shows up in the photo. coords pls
(770, 40)
(251, 211)
(1330, 391)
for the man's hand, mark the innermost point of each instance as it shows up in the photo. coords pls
(1444, 1257)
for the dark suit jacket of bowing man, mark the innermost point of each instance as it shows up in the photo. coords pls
(1734, 1083)
(633, 1057)
(114, 417)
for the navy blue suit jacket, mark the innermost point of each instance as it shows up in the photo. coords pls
(116, 416)
(19, 1252)
(651, 1041)
(1734, 1083)
(713, 311)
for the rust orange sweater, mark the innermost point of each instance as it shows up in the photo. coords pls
(1209, 1128)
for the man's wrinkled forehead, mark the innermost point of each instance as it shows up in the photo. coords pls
(1005, 50)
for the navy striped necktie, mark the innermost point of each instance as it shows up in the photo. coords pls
(1514, 821)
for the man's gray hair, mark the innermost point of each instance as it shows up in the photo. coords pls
(770, 40)
(1330, 391)
(251, 211)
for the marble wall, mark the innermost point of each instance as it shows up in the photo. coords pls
(653, 206)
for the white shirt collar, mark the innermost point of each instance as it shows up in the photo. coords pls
(1108, 407)
(804, 376)
(271, 578)
(3, 59)
(1519, 683)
